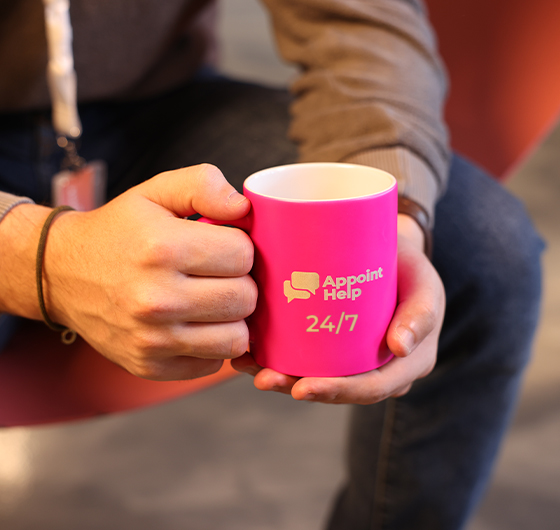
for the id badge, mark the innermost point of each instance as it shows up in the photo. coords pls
(83, 189)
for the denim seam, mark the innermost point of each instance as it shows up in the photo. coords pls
(379, 497)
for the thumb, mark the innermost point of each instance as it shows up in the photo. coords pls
(199, 189)
(421, 306)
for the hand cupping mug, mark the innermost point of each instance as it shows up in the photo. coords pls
(325, 237)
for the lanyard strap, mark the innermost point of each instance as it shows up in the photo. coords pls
(61, 75)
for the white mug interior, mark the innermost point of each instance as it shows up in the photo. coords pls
(321, 181)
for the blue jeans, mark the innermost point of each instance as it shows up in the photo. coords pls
(417, 462)
(422, 461)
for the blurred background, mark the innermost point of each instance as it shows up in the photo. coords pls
(237, 459)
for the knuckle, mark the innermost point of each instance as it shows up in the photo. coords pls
(239, 340)
(208, 170)
(156, 250)
(250, 296)
(246, 253)
(148, 354)
(148, 344)
(147, 369)
(207, 173)
(231, 303)
(150, 373)
(149, 305)
(227, 341)
(226, 303)
(428, 370)
(240, 251)
(429, 318)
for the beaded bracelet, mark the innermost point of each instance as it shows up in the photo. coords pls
(68, 336)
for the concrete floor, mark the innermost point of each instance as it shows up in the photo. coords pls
(233, 458)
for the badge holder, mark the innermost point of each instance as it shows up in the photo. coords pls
(79, 184)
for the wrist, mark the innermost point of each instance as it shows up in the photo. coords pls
(68, 336)
(19, 236)
(57, 270)
(409, 228)
(412, 214)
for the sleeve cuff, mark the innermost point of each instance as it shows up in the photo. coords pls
(415, 179)
(9, 201)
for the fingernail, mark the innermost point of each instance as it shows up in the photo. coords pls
(310, 397)
(235, 199)
(406, 337)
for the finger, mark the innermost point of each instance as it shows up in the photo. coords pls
(197, 189)
(177, 369)
(223, 340)
(210, 250)
(359, 389)
(196, 299)
(272, 381)
(218, 299)
(246, 364)
(159, 347)
(367, 388)
(163, 240)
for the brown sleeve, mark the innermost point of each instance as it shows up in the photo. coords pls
(371, 88)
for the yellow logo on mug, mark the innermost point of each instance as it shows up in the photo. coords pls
(301, 286)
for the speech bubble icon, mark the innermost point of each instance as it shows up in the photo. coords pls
(305, 280)
(292, 293)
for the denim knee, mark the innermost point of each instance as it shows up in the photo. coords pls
(489, 257)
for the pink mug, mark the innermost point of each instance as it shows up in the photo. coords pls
(325, 237)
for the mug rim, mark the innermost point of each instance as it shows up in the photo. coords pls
(308, 165)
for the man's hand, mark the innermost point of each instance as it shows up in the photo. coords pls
(161, 296)
(412, 336)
